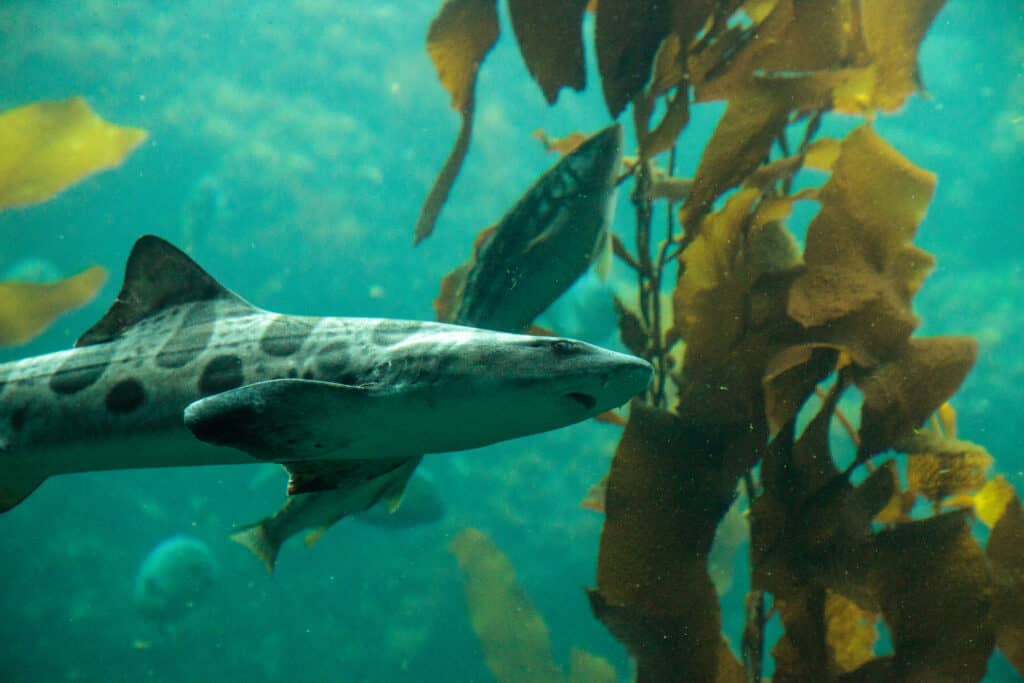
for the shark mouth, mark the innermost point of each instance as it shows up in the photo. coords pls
(585, 400)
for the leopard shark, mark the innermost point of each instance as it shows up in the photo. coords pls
(181, 371)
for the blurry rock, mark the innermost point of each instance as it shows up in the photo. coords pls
(173, 579)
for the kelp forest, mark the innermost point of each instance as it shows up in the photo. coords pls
(896, 558)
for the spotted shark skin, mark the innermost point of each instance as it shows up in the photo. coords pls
(181, 372)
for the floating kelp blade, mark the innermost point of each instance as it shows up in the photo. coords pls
(512, 632)
(542, 245)
(459, 38)
(28, 308)
(48, 146)
(550, 38)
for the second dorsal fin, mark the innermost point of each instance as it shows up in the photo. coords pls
(158, 276)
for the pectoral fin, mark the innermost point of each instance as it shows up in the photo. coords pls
(289, 419)
(16, 484)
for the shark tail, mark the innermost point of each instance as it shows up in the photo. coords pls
(258, 540)
(16, 484)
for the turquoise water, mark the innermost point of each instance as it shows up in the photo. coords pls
(291, 145)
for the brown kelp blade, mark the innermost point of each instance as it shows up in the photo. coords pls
(459, 38)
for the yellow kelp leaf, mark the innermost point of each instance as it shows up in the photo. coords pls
(28, 308)
(669, 68)
(563, 145)
(892, 35)
(865, 53)
(740, 143)
(712, 283)
(667, 130)
(48, 146)
(822, 154)
(862, 270)
(851, 632)
(900, 394)
(512, 632)
(459, 38)
(550, 37)
(794, 38)
(933, 587)
(1005, 554)
(882, 191)
(939, 466)
(947, 419)
(991, 501)
(585, 667)
(758, 10)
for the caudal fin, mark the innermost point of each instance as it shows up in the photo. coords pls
(16, 484)
(259, 542)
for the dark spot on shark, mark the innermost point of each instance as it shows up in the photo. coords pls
(223, 373)
(308, 374)
(18, 419)
(333, 361)
(82, 369)
(285, 335)
(292, 373)
(383, 334)
(191, 338)
(125, 397)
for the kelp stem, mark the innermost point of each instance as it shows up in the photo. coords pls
(752, 646)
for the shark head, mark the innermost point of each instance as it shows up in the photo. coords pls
(498, 386)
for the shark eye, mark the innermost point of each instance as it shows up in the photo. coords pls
(564, 347)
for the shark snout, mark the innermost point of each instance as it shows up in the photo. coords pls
(620, 378)
(635, 375)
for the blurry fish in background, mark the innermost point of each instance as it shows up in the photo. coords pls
(173, 580)
(542, 245)
(207, 209)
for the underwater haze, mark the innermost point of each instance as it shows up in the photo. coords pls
(290, 148)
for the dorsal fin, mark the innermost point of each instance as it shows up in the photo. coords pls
(158, 276)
